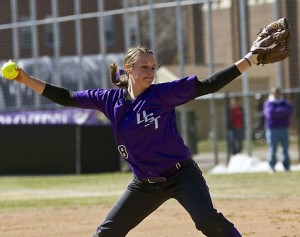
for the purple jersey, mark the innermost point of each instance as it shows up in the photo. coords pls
(145, 128)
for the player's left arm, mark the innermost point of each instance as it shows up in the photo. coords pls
(272, 45)
(221, 78)
(216, 81)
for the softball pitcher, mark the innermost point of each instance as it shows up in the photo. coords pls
(142, 115)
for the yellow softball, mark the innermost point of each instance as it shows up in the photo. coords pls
(9, 70)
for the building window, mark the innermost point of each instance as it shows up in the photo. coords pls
(25, 34)
(109, 30)
(133, 29)
(49, 33)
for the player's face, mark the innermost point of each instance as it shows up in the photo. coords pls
(143, 71)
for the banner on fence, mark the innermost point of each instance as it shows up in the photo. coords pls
(70, 116)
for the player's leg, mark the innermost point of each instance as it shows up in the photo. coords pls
(240, 140)
(193, 194)
(231, 141)
(284, 140)
(137, 202)
(272, 140)
(234, 142)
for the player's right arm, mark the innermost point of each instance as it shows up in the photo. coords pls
(56, 94)
(33, 83)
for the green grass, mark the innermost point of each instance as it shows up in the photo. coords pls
(255, 185)
(206, 145)
(57, 191)
(104, 189)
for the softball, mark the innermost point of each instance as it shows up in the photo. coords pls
(9, 70)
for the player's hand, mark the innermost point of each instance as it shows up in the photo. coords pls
(21, 75)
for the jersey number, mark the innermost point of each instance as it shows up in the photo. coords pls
(123, 152)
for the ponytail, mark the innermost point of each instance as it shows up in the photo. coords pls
(118, 77)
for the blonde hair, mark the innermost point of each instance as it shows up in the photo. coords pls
(119, 77)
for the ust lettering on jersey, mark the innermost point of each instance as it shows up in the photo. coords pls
(148, 119)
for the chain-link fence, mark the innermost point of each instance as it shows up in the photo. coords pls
(72, 43)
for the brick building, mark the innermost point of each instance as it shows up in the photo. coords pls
(38, 28)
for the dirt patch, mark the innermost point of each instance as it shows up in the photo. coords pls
(253, 217)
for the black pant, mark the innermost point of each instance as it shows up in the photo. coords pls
(236, 141)
(140, 199)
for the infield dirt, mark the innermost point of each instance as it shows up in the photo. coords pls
(278, 217)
